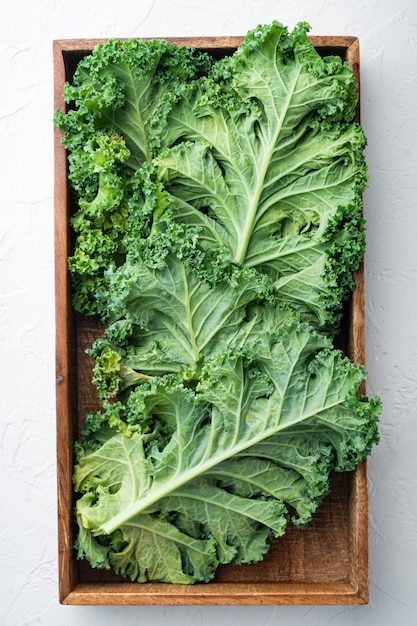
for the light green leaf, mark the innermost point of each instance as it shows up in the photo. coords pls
(176, 319)
(271, 179)
(257, 404)
(156, 550)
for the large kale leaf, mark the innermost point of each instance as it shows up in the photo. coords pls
(264, 160)
(221, 469)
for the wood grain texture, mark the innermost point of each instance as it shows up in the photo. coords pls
(63, 346)
(324, 564)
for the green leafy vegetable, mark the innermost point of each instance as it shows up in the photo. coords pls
(231, 460)
(218, 227)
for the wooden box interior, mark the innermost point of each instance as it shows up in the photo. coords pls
(325, 564)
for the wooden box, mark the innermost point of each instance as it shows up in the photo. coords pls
(325, 564)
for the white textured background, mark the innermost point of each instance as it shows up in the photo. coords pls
(28, 549)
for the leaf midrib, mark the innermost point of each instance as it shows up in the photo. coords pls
(181, 478)
(244, 238)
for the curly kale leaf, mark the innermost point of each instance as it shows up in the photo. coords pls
(229, 462)
(167, 320)
(118, 102)
(127, 88)
(274, 172)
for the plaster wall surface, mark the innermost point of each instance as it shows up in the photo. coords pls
(28, 554)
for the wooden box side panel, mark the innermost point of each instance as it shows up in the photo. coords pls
(327, 564)
(64, 342)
